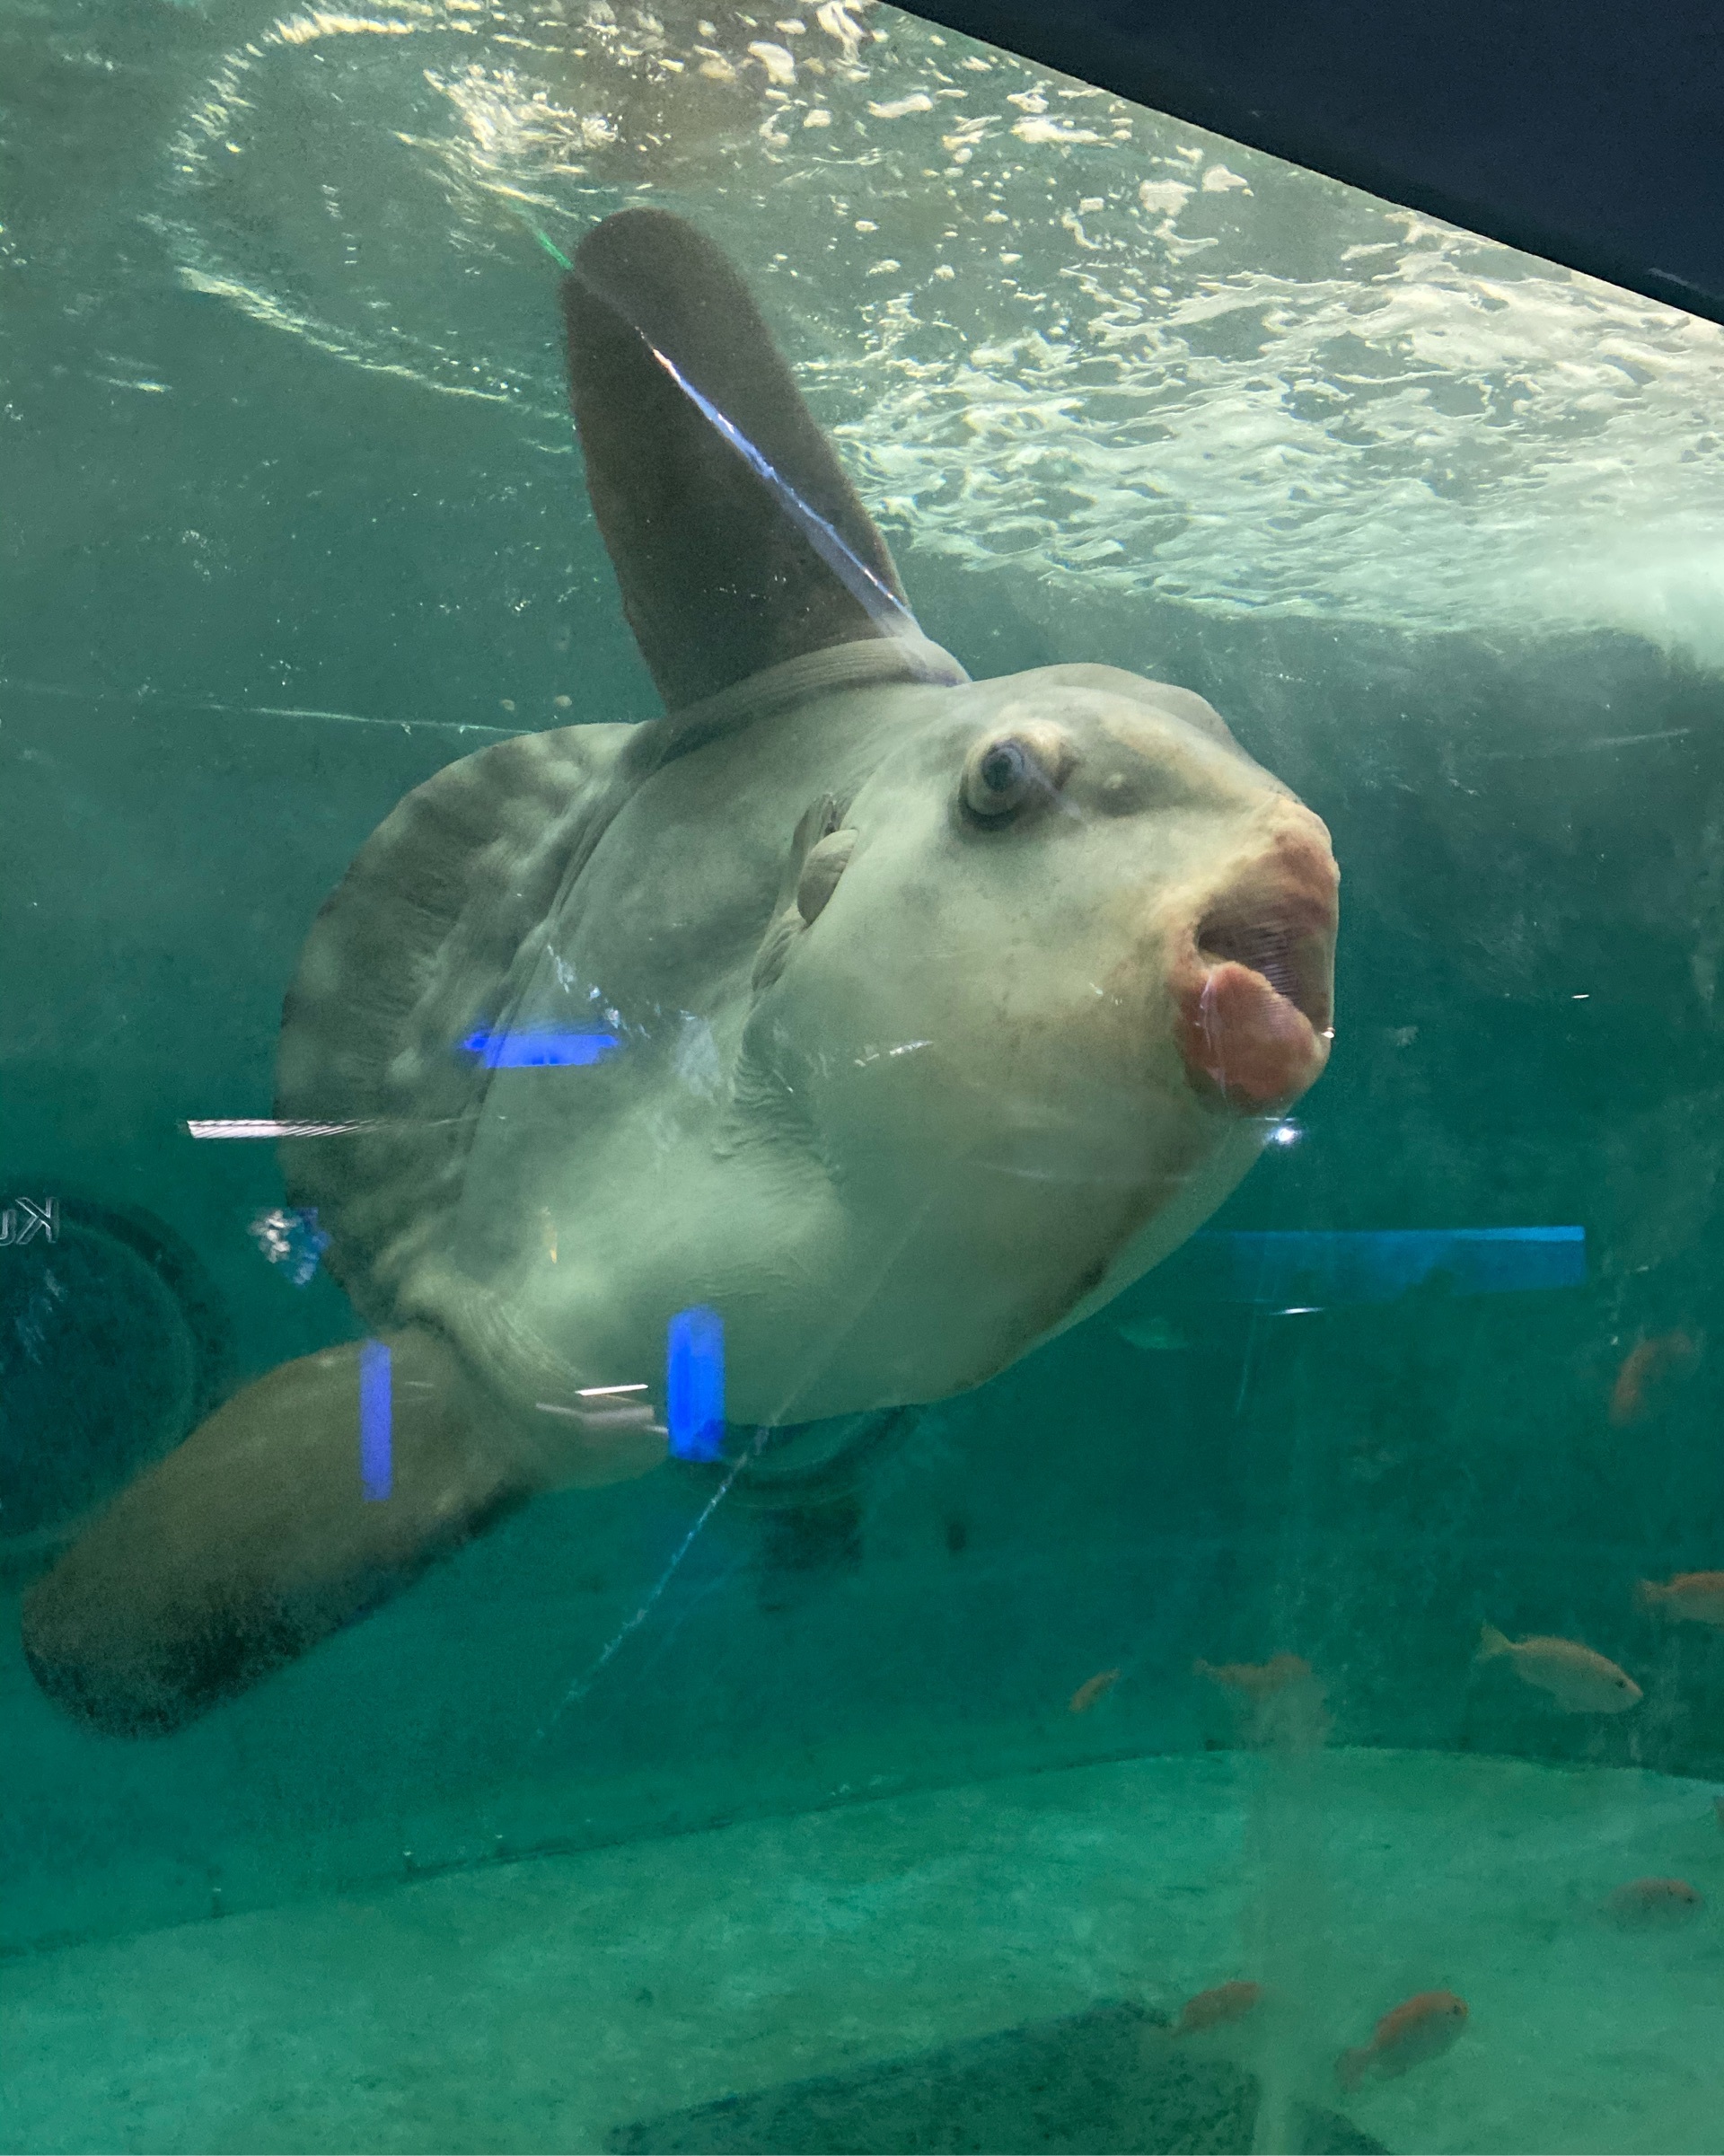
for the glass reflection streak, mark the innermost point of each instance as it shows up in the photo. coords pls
(1376, 1266)
(882, 604)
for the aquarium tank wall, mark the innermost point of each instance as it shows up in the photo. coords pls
(762, 1389)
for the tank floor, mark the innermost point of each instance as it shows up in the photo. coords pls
(540, 2005)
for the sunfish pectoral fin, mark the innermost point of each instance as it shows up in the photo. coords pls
(819, 848)
(822, 817)
(738, 542)
(298, 1506)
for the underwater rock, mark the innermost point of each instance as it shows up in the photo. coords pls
(1101, 2082)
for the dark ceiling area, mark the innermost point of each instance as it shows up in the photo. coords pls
(1587, 131)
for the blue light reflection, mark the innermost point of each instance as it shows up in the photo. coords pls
(532, 1049)
(694, 1385)
(376, 1417)
(1317, 1267)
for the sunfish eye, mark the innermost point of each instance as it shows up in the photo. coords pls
(1002, 768)
(1003, 774)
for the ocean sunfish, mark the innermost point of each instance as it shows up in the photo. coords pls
(913, 1017)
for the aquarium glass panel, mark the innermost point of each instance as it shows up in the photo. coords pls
(862, 1175)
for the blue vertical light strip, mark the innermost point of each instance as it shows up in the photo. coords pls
(694, 1385)
(376, 1467)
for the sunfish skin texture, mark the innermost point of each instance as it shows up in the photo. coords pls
(953, 1105)
(1579, 1681)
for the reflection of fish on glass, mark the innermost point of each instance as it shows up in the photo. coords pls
(1641, 1373)
(1653, 1904)
(1690, 1598)
(1153, 1335)
(1283, 1700)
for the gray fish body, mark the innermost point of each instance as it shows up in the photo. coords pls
(899, 1019)
(894, 1145)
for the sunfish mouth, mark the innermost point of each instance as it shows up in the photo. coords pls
(1256, 985)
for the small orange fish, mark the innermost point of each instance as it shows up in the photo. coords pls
(1258, 1681)
(1211, 2008)
(1579, 1681)
(1644, 1364)
(1652, 1905)
(1699, 1596)
(1420, 2028)
(1091, 1690)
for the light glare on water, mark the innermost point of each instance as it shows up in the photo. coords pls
(1055, 333)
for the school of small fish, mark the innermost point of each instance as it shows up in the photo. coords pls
(1577, 1678)
(1283, 1705)
(1285, 1699)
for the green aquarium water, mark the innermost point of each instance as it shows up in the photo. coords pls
(795, 1438)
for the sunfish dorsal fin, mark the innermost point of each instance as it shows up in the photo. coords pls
(738, 542)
